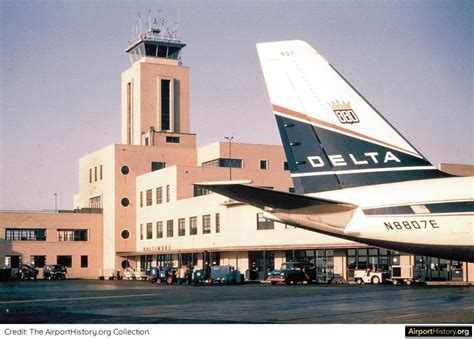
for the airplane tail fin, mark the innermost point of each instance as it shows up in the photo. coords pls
(333, 138)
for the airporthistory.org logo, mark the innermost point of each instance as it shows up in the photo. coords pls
(344, 112)
(431, 331)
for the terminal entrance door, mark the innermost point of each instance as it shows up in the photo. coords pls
(260, 263)
(436, 269)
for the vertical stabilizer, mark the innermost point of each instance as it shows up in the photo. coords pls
(333, 138)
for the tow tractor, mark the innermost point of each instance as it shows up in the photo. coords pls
(370, 276)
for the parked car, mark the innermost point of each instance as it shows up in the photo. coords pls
(27, 272)
(55, 272)
(293, 272)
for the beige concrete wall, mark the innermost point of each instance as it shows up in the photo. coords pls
(104, 188)
(52, 247)
(145, 77)
(238, 229)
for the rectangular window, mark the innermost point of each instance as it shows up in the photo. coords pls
(149, 194)
(264, 224)
(181, 227)
(198, 191)
(167, 193)
(72, 235)
(285, 166)
(100, 172)
(263, 164)
(206, 224)
(95, 202)
(291, 190)
(146, 141)
(165, 105)
(25, 234)
(13, 261)
(149, 230)
(38, 261)
(84, 261)
(157, 165)
(218, 223)
(223, 162)
(172, 140)
(95, 173)
(159, 195)
(129, 113)
(90, 175)
(159, 229)
(65, 260)
(189, 259)
(169, 228)
(141, 231)
(193, 229)
(141, 198)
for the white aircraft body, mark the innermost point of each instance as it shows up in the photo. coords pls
(355, 176)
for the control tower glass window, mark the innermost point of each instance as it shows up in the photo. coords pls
(165, 105)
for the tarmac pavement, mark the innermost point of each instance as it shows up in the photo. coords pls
(140, 302)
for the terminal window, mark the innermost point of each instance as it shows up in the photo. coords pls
(173, 140)
(149, 194)
(159, 229)
(193, 226)
(38, 261)
(72, 235)
(206, 224)
(223, 162)
(218, 223)
(181, 227)
(157, 165)
(25, 234)
(13, 261)
(159, 195)
(169, 229)
(149, 230)
(65, 260)
(95, 202)
(264, 224)
(84, 261)
(165, 105)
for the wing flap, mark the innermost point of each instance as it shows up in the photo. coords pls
(276, 200)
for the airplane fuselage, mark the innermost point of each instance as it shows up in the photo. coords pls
(427, 217)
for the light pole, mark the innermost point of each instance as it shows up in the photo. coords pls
(230, 156)
(55, 202)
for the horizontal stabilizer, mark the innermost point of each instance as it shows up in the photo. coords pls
(277, 200)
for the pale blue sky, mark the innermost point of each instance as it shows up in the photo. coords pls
(61, 63)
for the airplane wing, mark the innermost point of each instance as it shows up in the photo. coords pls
(277, 200)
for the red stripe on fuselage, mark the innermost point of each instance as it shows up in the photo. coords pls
(326, 124)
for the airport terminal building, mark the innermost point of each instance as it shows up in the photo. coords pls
(138, 207)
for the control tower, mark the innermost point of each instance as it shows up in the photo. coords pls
(155, 91)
